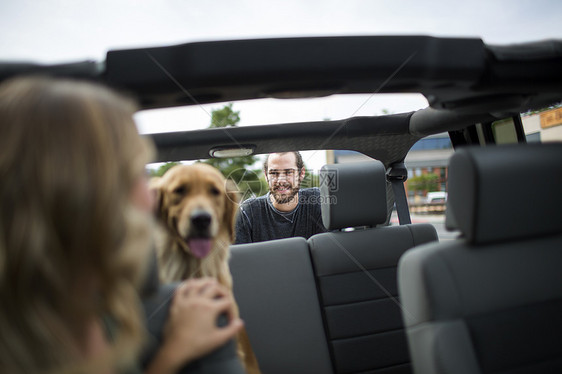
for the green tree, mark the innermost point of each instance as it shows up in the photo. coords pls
(162, 169)
(250, 181)
(224, 117)
(424, 182)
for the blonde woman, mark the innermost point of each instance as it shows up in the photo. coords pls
(74, 237)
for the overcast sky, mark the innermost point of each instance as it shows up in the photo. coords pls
(50, 31)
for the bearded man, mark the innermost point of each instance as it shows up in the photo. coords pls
(286, 210)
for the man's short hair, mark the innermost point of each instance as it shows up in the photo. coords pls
(298, 157)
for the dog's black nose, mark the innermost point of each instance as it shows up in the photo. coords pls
(201, 220)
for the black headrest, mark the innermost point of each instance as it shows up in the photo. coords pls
(506, 192)
(353, 194)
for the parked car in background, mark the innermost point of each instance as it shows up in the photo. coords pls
(436, 197)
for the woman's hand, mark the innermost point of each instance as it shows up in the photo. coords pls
(191, 330)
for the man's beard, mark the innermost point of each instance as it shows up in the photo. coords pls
(285, 197)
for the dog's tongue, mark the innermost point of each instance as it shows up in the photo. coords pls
(200, 247)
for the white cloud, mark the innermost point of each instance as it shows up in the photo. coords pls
(57, 30)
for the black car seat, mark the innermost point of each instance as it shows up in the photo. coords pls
(491, 301)
(276, 292)
(355, 269)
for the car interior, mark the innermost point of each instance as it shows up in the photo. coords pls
(489, 302)
(366, 296)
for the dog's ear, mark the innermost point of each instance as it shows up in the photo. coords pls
(231, 207)
(155, 186)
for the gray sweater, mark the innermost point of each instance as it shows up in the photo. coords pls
(259, 221)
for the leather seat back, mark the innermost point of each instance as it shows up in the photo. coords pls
(491, 301)
(356, 270)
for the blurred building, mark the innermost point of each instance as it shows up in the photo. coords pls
(545, 126)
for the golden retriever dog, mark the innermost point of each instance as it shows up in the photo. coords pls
(197, 208)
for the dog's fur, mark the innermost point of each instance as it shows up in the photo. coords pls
(197, 207)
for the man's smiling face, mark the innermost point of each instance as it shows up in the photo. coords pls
(283, 177)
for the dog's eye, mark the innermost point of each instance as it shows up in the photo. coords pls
(181, 190)
(214, 191)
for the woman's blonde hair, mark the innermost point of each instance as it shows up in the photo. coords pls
(72, 247)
